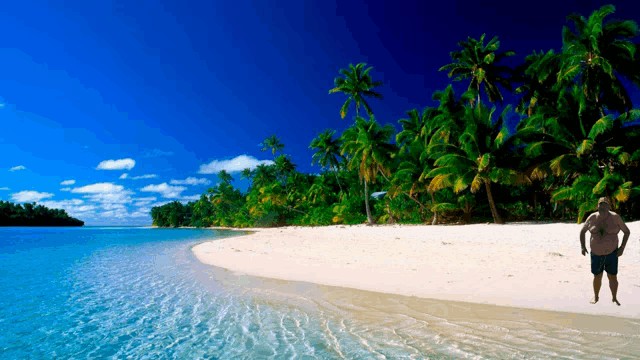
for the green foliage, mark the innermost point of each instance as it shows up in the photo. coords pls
(356, 83)
(578, 140)
(349, 211)
(31, 214)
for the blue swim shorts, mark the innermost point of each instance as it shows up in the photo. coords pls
(609, 263)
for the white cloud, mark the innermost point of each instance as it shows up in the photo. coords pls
(117, 164)
(167, 191)
(4, 188)
(150, 176)
(19, 167)
(116, 197)
(114, 206)
(191, 181)
(61, 203)
(74, 207)
(191, 198)
(98, 188)
(124, 176)
(159, 203)
(29, 196)
(238, 163)
(144, 201)
(68, 182)
(142, 212)
(107, 196)
(66, 189)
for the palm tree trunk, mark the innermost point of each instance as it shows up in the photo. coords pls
(535, 205)
(435, 213)
(336, 174)
(492, 205)
(414, 199)
(479, 94)
(366, 202)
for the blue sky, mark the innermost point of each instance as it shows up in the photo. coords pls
(171, 92)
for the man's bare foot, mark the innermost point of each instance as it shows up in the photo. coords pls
(594, 300)
(616, 301)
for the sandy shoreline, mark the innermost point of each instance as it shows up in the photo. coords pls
(536, 266)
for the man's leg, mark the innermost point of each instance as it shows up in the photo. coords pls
(613, 285)
(597, 282)
(611, 267)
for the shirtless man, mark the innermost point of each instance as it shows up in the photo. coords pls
(604, 226)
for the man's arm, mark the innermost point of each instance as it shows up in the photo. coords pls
(624, 229)
(583, 231)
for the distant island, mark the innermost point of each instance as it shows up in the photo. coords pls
(34, 215)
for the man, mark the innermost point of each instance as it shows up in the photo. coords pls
(604, 226)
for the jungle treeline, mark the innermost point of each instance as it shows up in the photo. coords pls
(31, 214)
(576, 141)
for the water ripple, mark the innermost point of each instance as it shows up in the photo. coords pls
(152, 300)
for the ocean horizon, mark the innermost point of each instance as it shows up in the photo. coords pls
(140, 293)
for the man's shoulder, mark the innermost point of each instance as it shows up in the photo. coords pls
(616, 216)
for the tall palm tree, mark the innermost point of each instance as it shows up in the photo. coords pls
(224, 177)
(264, 174)
(409, 177)
(284, 167)
(417, 127)
(594, 156)
(320, 189)
(597, 53)
(446, 123)
(417, 132)
(247, 174)
(539, 76)
(356, 84)
(480, 63)
(480, 157)
(368, 143)
(273, 143)
(327, 152)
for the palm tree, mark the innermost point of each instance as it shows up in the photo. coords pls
(593, 157)
(481, 156)
(409, 177)
(417, 133)
(247, 174)
(224, 177)
(368, 143)
(539, 76)
(446, 123)
(264, 174)
(597, 54)
(418, 127)
(480, 64)
(319, 189)
(356, 83)
(327, 152)
(273, 143)
(284, 165)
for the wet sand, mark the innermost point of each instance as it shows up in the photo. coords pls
(536, 266)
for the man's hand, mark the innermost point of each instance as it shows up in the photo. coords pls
(620, 251)
(585, 252)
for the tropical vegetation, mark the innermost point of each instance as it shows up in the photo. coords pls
(31, 214)
(576, 140)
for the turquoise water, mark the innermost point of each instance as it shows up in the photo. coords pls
(139, 293)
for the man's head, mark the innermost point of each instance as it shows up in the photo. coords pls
(603, 205)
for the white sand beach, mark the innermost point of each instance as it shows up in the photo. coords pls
(536, 266)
